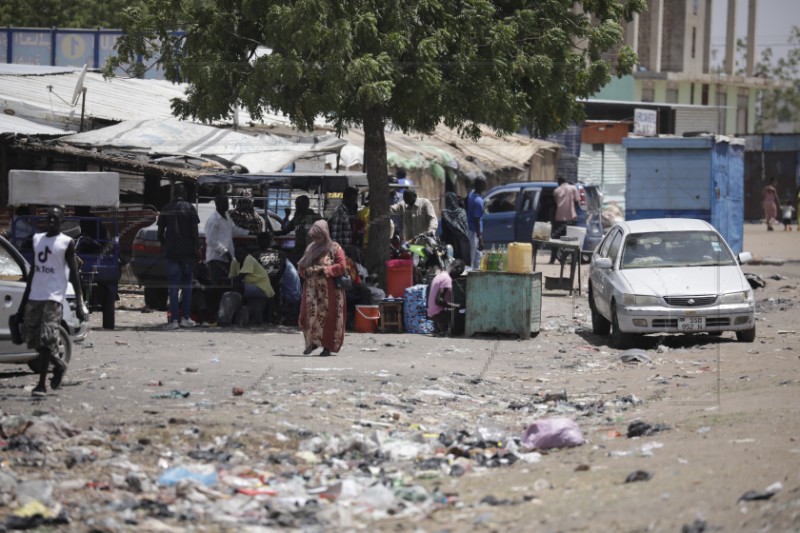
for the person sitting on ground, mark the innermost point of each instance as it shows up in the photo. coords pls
(440, 297)
(256, 288)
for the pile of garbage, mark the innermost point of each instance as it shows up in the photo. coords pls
(53, 474)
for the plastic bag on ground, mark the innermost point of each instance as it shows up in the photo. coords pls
(553, 433)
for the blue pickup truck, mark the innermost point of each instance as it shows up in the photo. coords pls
(511, 210)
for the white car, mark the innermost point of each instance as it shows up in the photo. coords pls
(668, 275)
(13, 273)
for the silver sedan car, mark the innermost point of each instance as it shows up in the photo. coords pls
(668, 275)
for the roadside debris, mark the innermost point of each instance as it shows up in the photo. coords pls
(634, 355)
(640, 428)
(552, 433)
(698, 526)
(769, 492)
(639, 475)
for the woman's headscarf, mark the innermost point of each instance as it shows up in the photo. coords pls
(245, 215)
(454, 214)
(315, 250)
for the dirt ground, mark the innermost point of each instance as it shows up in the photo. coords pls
(731, 412)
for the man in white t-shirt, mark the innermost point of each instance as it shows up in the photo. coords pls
(53, 266)
(440, 296)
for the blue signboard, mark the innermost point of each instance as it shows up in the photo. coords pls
(4, 46)
(63, 48)
(31, 47)
(74, 49)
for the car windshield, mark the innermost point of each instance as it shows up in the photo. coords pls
(670, 249)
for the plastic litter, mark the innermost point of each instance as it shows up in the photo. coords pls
(752, 495)
(639, 475)
(171, 394)
(640, 428)
(550, 433)
(204, 474)
(634, 355)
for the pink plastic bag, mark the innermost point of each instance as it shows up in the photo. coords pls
(552, 433)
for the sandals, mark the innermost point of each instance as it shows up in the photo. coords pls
(325, 353)
(310, 348)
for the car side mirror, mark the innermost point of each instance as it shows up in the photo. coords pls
(603, 262)
(744, 257)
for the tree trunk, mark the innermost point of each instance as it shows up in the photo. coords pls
(377, 178)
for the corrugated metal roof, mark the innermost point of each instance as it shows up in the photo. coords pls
(21, 126)
(48, 97)
(488, 154)
(16, 69)
(258, 154)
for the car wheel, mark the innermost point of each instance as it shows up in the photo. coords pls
(64, 350)
(600, 326)
(747, 335)
(156, 298)
(619, 340)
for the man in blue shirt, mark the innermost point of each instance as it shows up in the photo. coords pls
(475, 220)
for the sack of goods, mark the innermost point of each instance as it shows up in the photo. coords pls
(415, 310)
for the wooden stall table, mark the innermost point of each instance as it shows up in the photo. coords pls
(391, 315)
(504, 302)
(573, 248)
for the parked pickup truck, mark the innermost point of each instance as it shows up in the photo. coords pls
(510, 211)
(149, 266)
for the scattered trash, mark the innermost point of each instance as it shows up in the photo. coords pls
(755, 281)
(492, 500)
(638, 475)
(237, 391)
(552, 433)
(634, 355)
(786, 331)
(191, 369)
(171, 394)
(640, 428)
(698, 526)
(752, 495)
(33, 515)
(769, 492)
(204, 474)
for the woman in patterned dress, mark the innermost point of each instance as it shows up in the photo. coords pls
(322, 309)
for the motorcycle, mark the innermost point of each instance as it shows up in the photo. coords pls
(430, 255)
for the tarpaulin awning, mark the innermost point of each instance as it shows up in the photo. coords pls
(257, 154)
(328, 181)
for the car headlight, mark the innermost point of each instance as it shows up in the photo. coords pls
(640, 300)
(740, 297)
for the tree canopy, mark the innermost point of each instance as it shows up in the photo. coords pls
(781, 103)
(63, 13)
(371, 64)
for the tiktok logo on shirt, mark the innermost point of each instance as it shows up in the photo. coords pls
(43, 255)
(42, 258)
